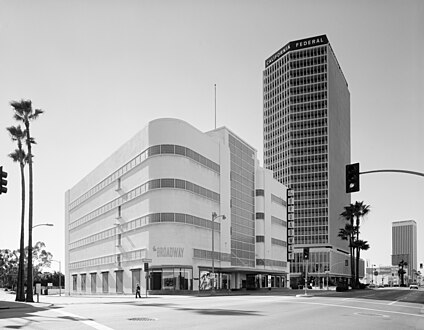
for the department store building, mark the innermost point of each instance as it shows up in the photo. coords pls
(145, 215)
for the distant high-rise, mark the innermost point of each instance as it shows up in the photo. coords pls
(307, 146)
(404, 244)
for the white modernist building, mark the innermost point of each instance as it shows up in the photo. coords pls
(145, 216)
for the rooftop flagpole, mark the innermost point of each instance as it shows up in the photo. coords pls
(215, 105)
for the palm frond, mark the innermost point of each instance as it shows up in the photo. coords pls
(35, 114)
(18, 155)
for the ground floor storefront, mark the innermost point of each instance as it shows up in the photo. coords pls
(320, 281)
(174, 278)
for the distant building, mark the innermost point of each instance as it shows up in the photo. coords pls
(307, 145)
(386, 275)
(151, 203)
(404, 245)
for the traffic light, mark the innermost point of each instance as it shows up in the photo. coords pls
(305, 253)
(3, 176)
(352, 178)
(146, 267)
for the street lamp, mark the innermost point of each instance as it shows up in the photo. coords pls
(31, 268)
(43, 224)
(214, 217)
(60, 277)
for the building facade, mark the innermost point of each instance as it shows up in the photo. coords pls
(404, 246)
(145, 216)
(306, 103)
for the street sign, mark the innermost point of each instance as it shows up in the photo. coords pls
(375, 273)
(146, 260)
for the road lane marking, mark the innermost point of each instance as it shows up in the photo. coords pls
(355, 307)
(353, 300)
(82, 319)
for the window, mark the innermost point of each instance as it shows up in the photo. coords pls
(167, 149)
(154, 184)
(179, 150)
(167, 183)
(167, 217)
(154, 150)
(105, 282)
(74, 282)
(260, 192)
(260, 215)
(180, 184)
(83, 282)
(260, 239)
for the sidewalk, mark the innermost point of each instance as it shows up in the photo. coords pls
(7, 300)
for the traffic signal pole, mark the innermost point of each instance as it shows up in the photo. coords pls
(353, 173)
(395, 171)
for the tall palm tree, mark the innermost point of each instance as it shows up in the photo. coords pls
(19, 156)
(348, 233)
(25, 113)
(360, 211)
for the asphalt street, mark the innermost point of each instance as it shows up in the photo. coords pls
(365, 309)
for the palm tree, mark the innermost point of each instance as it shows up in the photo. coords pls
(402, 271)
(18, 135)
(360, 211)
(359, 245)
(25, 113)
(348, 233)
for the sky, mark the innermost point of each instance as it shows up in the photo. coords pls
(101, 70)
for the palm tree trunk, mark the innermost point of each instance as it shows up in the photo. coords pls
(20, 292)
(358, 252)
(29, 297)
(352, 260)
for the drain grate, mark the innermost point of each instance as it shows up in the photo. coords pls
(142, 319)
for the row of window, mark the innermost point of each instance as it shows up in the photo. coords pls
(315, 239)
(144, 188)
(151, 151)
(278, 221)
(278, 200)
(307, 80)
(207, 255)
(320, 259)
(143, 221)
(315, 230)
(271, 263)
(242, 190)
(108, 260)
(319, 221)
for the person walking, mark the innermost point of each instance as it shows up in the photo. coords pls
(137, 291)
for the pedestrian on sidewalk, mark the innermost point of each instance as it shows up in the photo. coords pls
(137, 291)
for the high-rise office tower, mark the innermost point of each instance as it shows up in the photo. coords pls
(404, 245)
(307, 145)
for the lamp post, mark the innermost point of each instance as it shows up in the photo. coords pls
(31, 268)
(43, 224)
(214, 217)
(60, 277)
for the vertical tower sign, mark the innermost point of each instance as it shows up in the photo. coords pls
(290, 224)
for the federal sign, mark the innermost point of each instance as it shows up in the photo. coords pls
(296, 45)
